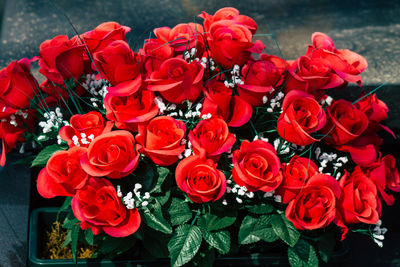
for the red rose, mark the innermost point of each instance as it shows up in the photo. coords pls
(260, 78)
(63, 174)
(312, 75)
(98, 207)
(9, 136)
(161, 140)
(156, 52)
(385, 175)
(296, 173)
(104, 34)
(211, 138)
(112, 154)
(220, 101)
(256, 166)
(301, 116)
(359, 202)
(347, 64)
(315, 205)
(177, 80)
(183, 37)
(228, 13)
(130, 111)
(230, 43)
(17, 85)
(121, 67)
(61, 59)
(56, 94)
(200, 180)
(85, 127)
(344, 123)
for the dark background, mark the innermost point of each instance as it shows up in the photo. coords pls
(370, 28)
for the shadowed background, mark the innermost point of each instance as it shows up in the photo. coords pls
(370, 28)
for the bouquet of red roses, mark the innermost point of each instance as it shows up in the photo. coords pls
(200, 144)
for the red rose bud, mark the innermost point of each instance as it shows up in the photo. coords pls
(112, 154)
(211, 138)
(301, 115)
(156, 52)
(129, 112)
(177, 80)
(220, 102)
(17, 85)
(359, 202)
(260, 78)
(9, 136)
(98, 207)
(61, 59)
(84, 127)
(200, 180)
(63, 174)
(161, 140)
(256, 166)
(296, 174)
(315, 205)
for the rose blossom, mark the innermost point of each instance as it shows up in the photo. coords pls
(295, 174)
(98, 207)
(211, 137)
(9, 136)
(161, 139)
(301, 115)
(256, 166)
(200, 180)
(112, 154)
(63, 174)
(315, 205)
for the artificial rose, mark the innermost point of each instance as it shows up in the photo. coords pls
(98, 207)
(17, 85)
(183, 37)
(344, 123)
(112, 154)
(260, 77)
(220, 101)
(63, 174)
(315, 205)
(61, 59)
(129, 112)
(359, 202)
(85, 128)
(256, 166)
(211, 138)
(121, 67)
(104, 34)
(347, 64)
(9, 136)
(228, 13)
(177, 80)
(312, 75)
(385, 175)
(301, 116)
(295, 174)
(200, 180)
(230, 43)
(161, 140)
(156, 52)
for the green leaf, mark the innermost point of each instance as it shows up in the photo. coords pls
(64, 207)
(115, 246)
(155, 219)
(205, 257)
(179, 212)
(44, 155)
(163, 199)
(262, 209)
(220, 240)
(74, 240)
(284, 229)
(302, 255)
(255, 229)
(89, 237)
(213, 222)
(162, 174)
(184, 245)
